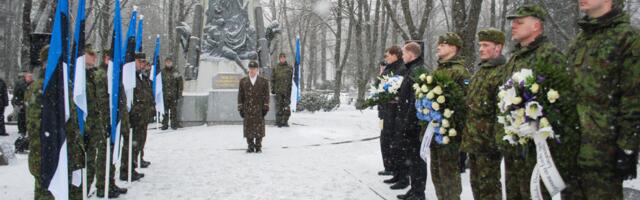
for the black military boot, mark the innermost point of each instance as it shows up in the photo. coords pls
(145, 164)
(112, 194)
(417, 196)
(401, 184)
(258, 145)
(385, 173)
(119, 189)
(392, 180)
(406, 195)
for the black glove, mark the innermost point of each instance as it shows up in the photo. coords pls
(241, 114)
(626, 164)
(265, 111)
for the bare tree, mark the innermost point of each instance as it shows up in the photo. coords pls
(414, 32)
(340, 62)
(26, 32)
(466, 25)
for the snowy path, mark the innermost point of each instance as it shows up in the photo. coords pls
(309, 160)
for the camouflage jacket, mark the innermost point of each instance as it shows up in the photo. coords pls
(479, 131)
(142, 108)
(98, 118)
(282, 79)
(75, 144)
(545, 60)
(172, 85)
(454, 68)
(605, 61)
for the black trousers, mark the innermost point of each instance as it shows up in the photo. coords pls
(22, 121)
(387, 147)
(417, 166)
(2, 129)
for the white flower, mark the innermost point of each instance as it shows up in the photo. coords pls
(502, 94)
(544, 122)
(553, 95)
(435, 106)
(535, 88)
(445, 140)
(423, 77)
(437, 90)
(527, 129)
(522, 75)
(441, 99)
(522, 141)
(443, 130)
(416, 86)
(545, 133)
(516, 100)
(424, 89)
(509, 95)
(453, 132)
(534, 110)
(420, 95)
(509, 138)
(425, 111)
(430, 95)
(448, 113)
(429, 79)
(445, 123)
(502, 120)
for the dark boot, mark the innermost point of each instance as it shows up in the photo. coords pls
(392, 180)
(406, 195)
(401, 184)
(417, 196)
(385, 173)
(145, 164)
(250, 145)
(258, 145)
(112, 194)
(119, 189)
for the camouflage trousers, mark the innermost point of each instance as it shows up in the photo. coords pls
(170, 112)
(283, 111)
(140, 138)
(445, 172)
(485, 176)
(599, 181)
(96, 161)
(41, 193)
(124, 158)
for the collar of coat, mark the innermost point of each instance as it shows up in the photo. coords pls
(391, 69)
(456, 60)
(538, 42)
(418, 61)
(501, 60)
(611, 19)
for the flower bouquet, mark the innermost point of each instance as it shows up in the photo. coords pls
(436, 98)
(384, 91)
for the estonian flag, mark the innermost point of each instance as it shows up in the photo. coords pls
(157, 78)
(114, 73)
(129, 69)
(295, 86)
(80, 79)
(55, 108)
(139, 34)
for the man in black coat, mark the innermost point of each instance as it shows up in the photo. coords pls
(387, 113)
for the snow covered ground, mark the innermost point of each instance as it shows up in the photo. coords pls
(332, 155)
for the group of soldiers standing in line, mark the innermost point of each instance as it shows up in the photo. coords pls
(90, 151)
(596, 122)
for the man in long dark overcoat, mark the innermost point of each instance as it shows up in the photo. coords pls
(253, 105)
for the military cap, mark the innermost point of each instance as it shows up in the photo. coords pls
(253, 64)
(107, 52)
(88, 48)
(491, 35)
(450, 38)
(140, 55)
(529, 10)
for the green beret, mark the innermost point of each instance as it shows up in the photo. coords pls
(450, 38)
(253, 64)
(141, 55)
(491, 35)
(88, 48)
(107, 52)
(529, 10)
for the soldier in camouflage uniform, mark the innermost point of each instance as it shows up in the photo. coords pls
(172, 86)
(478, 138)
(605, 61)
(133, 122)
(148, 108)
(75, 146)
(534, 51)
(281, 87)
(445, 158)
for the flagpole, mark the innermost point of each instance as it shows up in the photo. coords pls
(130, 155)
(107, 169)
(85, 185)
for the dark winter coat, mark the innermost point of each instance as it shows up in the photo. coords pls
(4, 98)
(253, 105)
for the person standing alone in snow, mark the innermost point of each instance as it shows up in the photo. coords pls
(253, 105)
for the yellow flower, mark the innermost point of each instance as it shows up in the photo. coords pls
(423, 77)
(535, 88)
(443, 130)
(445, 140)
(502, 94)
(420, 95)
(453, 132)
(425, 111)
(437, 90)
(430, 95)
(553, 95)
(522, 141)
(445, 123)
(416, 86)
(429, 79)
(520, 112)
(448, 113)
(516, 100)
(424, 89)
(435, 106)
(441, 99)
(544, 122)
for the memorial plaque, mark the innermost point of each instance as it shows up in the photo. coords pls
(227, 81)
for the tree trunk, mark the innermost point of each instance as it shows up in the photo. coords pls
(492, 22)
(26, 35)
(341, 64)
(503, 16)
(361, 66)
(105, 33)
(323, 56)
